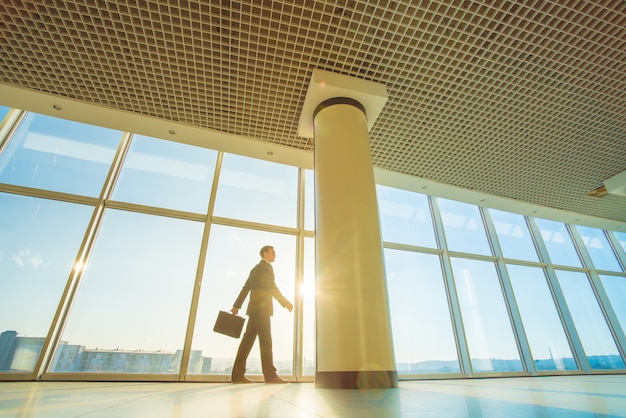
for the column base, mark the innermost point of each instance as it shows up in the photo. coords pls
(357, 380)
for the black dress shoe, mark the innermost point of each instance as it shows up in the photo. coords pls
(240, 380)
(275, 380)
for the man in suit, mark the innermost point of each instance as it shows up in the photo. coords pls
(263, 290)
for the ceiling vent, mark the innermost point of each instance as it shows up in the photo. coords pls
(616, 184)
(598, 192)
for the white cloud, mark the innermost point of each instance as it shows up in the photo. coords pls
(18, 260)
(27, 256)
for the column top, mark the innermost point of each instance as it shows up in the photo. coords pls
(327, 85)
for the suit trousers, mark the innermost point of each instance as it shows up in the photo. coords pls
(258, 325)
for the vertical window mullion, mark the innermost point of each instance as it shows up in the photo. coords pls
(598, 290)
(195, 298)
(617, 248)
(453, 299)
(11, 121)
(298, 336)
(580, 247)
(559, 298)
(69, 293)
(609, 313)
(509, 296)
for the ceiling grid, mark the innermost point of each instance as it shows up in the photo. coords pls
(523, 100)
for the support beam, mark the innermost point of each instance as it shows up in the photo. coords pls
(354, 339)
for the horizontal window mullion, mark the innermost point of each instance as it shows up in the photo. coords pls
(412, 248)
(151, 210)
(253, 225)
(472, 256)
(48, 194)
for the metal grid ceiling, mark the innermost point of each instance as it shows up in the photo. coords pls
(519, 99)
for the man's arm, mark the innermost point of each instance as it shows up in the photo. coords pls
(242, 296)
(282, 299)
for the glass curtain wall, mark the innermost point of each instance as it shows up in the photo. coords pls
(117, 251)
(231, 254)
(133, 301)
(39, 240)
(520, 295)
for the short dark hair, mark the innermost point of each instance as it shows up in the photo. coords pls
(265, 249)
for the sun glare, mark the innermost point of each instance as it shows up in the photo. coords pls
(79, 266)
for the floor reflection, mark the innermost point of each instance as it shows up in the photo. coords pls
(563, 396)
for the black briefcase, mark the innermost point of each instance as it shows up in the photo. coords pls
(229, 324)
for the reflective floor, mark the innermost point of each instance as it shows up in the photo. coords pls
(566, 396)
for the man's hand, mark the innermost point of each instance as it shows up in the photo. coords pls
(289, 306)
(235, 311)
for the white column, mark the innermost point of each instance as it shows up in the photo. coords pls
(354, 339)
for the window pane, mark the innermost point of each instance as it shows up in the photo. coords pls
(405, 217)
(308, 293)
(589, 321)
(615, 288)
(543, 326)
(422, 329)
(513, 236)
(463, 227)
(166, 174)
(231, 254)
(599, 249)
(621, 237)
(309, 200)
(558, 243)
(492, 345)
(39, 240)
(257, 191)
(131, 310)
(59, 155)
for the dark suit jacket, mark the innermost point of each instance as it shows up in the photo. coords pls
(262, 289)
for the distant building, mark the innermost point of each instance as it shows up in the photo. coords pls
(18, 354)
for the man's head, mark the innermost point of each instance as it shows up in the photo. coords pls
(267, 253)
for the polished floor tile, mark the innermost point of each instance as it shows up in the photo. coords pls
(563, 396)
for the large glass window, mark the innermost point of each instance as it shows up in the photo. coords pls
(39, 241)
(513, 235)
(464, 228)
(558, 243)
(58, 155)
(422, 328)
(589, 321)
(621, 237)
(257, 191)
(231, 254)
(405, 217)
(542, 324)
(615, 287)
(132, 305)
(599, 249)
(492, 345)
(131, 309)
(166, 174)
